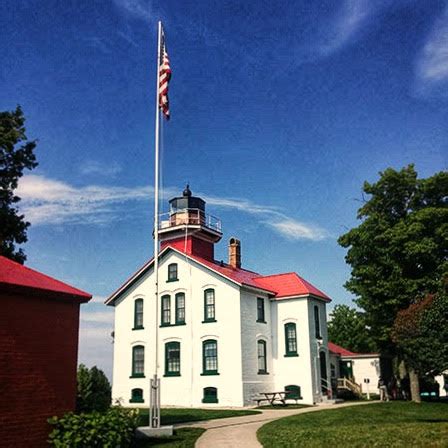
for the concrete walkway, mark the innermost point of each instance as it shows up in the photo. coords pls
(237, 432)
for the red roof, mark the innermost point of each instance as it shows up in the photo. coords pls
(334, 348)
(337, 349)
(14, 276)
(279, 285)
(289, 284)
(241, 276)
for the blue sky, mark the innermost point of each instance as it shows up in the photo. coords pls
(280, 111)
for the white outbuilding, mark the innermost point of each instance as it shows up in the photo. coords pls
(224, 334)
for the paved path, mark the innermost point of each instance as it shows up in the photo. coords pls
(238, 432)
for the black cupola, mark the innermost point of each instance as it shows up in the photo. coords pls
(186, 201)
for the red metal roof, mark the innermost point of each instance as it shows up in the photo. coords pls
(16, 276)
(334, 348)
(279, 285)
(289, 284)
(241, 276)
(337, 349)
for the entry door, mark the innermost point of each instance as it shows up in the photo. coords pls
(346, 369)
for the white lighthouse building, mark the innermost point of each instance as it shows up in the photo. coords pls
(225, 333)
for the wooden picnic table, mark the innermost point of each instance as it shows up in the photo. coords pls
(275, 396)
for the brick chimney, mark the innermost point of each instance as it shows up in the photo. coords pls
(234, 253)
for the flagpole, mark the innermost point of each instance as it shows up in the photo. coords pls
(154, 411)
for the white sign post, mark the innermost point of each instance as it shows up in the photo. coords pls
(367, 381)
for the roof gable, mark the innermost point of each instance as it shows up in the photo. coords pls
(16, 277)
(278, 285)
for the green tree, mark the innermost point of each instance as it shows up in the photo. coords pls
(421, 335)
(347, 327)
(16, 155)
(94, 391)
(398, 253)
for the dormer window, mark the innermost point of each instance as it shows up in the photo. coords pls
(172, 272)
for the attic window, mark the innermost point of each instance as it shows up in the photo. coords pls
(172, 272)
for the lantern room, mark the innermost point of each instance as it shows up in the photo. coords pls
(188, 227)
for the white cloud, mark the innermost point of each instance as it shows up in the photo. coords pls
(98, 43)
(127, 36)
(98, 299)
(46, 201)
(243, 205)
(296, 230)
(97, 168)
(95, 340)
(432, 61)
(139, 9)
(96, 347)
(98, 317)
(281, 223)
(350, 20)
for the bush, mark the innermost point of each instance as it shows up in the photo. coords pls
(94, 391)
(111, 429)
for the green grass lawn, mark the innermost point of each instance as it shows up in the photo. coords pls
(182, 438)
(393, 424)
(182, 415)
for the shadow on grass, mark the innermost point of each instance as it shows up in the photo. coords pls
(432, 420)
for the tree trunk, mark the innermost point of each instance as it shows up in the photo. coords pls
(415, 386)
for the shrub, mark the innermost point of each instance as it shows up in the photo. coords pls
(111, 429)
(94, 391)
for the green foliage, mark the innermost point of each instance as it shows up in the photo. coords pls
(112, 429)
(16, 155)
(94, 391)
(399, 252)
(393, 424)
(421, 334)
(347, 327)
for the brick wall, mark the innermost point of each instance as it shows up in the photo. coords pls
(38, 358)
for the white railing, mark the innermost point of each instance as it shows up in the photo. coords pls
(345, 383)
(192, 216)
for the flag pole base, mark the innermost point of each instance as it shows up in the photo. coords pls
(154, 429)
(145, 432)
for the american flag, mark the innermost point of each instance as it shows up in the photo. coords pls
(164, 78)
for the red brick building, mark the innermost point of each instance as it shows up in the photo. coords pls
(39, 322)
